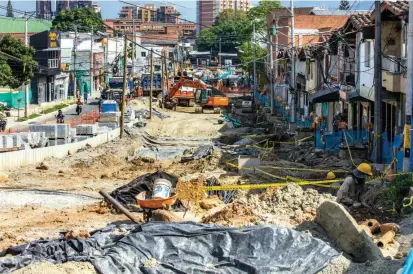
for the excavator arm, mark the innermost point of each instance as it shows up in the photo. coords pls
(175, 88)
(187, 83)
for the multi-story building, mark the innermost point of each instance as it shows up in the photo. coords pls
(153, 30)
(44, 9)
(128, 12)
(148, 13)
(70, 5)
(168, 14)
(208, 10)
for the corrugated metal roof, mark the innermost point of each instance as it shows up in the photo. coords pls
(16, 25)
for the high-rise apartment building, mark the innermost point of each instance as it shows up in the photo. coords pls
(168, 14)
(44, 9)
(208, 10)
(71, 4)
(149, 13)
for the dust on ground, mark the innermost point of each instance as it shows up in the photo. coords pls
(234, 214)
(107, 167)
(85, 173)
(45, 267)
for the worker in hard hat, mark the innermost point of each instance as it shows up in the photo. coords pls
(352, 188)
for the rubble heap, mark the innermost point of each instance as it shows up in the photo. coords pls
(290, 204)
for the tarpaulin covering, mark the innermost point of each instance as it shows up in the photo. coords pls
(165, 248)
(126, 194)
(160, 153)
(201, 152)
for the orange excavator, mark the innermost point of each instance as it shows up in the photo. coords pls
(190, 91)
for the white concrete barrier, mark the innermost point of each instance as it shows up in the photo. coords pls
(16, 159)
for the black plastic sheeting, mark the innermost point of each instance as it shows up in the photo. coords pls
(200, 152)
(165, 248)
(126, 194)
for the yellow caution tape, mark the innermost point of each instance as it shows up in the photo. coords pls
(305, 169)
(260, 186)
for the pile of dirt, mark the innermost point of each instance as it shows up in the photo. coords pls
(290, 204)
(234, 214)
(188, 190)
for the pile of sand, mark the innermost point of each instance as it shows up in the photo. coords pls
(290, 204)
(234, 214)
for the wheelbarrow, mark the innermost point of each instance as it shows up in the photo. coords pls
(148, 205)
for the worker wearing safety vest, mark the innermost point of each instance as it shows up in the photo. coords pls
(352, 188)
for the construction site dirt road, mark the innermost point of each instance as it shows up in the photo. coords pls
(62, 195)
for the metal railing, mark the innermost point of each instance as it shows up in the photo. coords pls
(53, 63)
(394, 64)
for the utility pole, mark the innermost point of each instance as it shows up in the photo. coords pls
(150, 88)
(255, 57)
(166, 71)
(91, 62)
(219, 55)
(271, 75)
(26, 89)
(377, 88)
(133, 45)
(293, 82)
(276, 54)
(122, 115)
(162, 72)
(408, 152)
(74, 66)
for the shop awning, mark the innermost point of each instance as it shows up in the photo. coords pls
(327, 94)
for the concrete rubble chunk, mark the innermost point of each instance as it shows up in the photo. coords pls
(344, 230)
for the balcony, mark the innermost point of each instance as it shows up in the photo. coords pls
(394, 73)
(53, 63)
(394, 64)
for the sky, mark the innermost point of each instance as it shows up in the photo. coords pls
(111, 9)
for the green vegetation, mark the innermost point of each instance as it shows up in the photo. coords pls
(16, 62)
(397, 191)
(31, 116)
(9, 12)
(84, 18)
(54, 108)
(344, 5)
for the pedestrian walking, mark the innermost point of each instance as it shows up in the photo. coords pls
(85, 95)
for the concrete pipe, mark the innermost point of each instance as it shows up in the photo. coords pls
(386, 238)
(384, 228)
(373, 224)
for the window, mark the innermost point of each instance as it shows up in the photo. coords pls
(143, 54)
(367, 54)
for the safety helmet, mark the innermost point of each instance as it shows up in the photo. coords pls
(362, 170)
(331, 175)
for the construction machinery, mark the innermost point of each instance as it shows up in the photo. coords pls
(190, 91)
(182, 93)
(210, 98)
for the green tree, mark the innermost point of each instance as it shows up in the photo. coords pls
(233, 28)
(344, 5)
(9, 10)
(258, 14)
(16, 62)
(206, 40)
(246, 51)
(84, 18)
